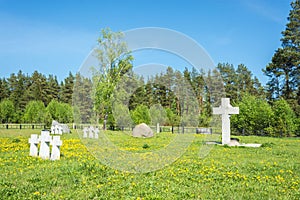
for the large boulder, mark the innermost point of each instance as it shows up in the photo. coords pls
(142, 130)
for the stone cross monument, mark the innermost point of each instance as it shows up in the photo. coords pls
(225, 110)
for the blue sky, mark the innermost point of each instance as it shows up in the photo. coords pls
(54, 37)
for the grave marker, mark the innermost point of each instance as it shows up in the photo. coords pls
(53, 130)
(91, 132)
(85, 132)
(56, 143)
(225, 110)
(96, 133)
(45, 139)
(33, 145)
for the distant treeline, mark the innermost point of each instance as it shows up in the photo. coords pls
(39, 99)
(36, 98)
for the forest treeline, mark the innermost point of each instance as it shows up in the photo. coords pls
(162, 99)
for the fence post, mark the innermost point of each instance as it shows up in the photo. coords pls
(20, 126)
(6, 126)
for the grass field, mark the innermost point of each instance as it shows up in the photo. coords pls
(269, 172)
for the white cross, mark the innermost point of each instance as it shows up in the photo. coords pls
(85, 132)
(59, 130)
(96, 133)
(45, 139)
(91, 132)
(53, 130)
(33, 145)
(225, 110)
(56, 143)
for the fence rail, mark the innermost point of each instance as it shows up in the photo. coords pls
(23, 126)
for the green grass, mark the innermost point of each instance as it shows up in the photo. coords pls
(269, 172)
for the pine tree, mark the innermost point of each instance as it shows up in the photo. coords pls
(229, 77)
(4, 89)
(244, 81)
(284, 70)
(37, 90)
(82, 99)
(18, 85)
(66, 91)
(52, 89)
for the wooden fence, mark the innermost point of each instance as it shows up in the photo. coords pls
(23, 126)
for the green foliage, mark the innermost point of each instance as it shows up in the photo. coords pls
(172, 118)
(238, 82)
(66, 92)
(297, 123)
(18, 85)
(255, 116)
(7, 111)
(4, 89)
(61, 112)
(205, 117)
(284, 118)
(38, 88)
(115, 61)
(122, 115)
(22, 89)
(157, 114)
(35, 112)
(82, 99)
(141, 115)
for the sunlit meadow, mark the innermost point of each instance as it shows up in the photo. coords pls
(269, 172)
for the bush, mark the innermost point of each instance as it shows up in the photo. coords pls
(7, 111)
(285, 122)
(61, 112)
(35, 112)
(141, 115)
(256, 115)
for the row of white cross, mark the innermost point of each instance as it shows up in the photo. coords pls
(57, 130)
(45, 141)
(91, 132)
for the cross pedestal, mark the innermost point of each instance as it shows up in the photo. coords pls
(225, 110)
